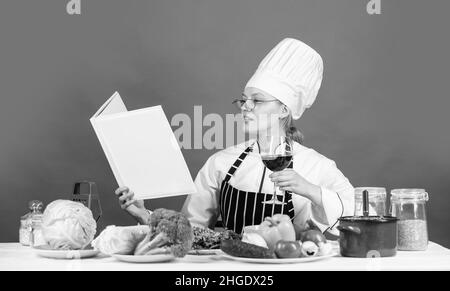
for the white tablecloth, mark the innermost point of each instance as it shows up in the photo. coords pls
(13, 256)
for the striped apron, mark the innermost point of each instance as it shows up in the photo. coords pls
(241, 208)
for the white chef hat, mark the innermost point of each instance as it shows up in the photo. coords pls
(292, 72)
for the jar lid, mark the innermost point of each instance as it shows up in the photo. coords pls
(374, 192)
(35, 206)
(410, 194)
(368, 219)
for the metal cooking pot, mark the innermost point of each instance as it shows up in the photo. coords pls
(367, 236)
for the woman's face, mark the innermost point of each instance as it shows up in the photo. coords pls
(264, 118)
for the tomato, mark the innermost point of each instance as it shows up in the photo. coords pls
(288, 249)
(313, 235)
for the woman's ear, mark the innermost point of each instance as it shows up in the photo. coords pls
(284, 111)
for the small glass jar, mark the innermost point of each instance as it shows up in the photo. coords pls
(377, 201)
(409, 206)
(30, 232)
(36, 207)
(25, 230)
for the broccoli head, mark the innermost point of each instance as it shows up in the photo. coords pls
(171, 232)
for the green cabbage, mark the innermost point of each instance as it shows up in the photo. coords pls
(68, 225)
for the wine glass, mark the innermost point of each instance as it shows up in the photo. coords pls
(276, 154)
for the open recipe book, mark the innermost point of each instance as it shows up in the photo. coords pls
(142, 150)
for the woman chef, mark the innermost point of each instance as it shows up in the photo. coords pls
(233, 183)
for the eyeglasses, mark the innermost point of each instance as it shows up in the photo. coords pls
(251, 103)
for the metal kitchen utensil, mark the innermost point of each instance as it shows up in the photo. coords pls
(377, 201)
(86, 193)
(365, 203)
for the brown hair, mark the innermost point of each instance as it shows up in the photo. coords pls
(291, 130)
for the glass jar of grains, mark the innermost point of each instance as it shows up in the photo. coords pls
(377, 201)
(36, 238)
(408, 205)
(30, 233)
(25, 230)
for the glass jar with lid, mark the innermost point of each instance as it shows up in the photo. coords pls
(25, 230)
(30, 223)
(377, 201)
(409, 206)
(35, 223)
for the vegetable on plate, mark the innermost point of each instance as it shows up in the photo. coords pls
(171, 232)
(207, 239)
(309, 249)
(68, 225)
(288, 249)
(273, 229)
(120, 240)
(313, 235)
(238, 248)
(254, 238)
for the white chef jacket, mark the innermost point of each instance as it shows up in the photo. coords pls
(203, 209)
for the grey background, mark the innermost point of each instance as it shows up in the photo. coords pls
(381, 113)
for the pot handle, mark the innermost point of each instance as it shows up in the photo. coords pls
(347, 228)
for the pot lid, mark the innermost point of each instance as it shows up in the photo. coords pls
(370, 219)
(409, 194)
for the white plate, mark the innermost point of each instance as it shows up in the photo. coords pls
(212, 252)
(202, 256)
(47, 252)
(145, 259)
(280, 261)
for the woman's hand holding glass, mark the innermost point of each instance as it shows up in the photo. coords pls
(290, 180)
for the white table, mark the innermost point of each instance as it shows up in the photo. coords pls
(13, 256)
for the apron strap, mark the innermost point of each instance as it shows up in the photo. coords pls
(237, 163)
(262, 179)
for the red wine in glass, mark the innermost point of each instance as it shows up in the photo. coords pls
(276, 155)
(277, 163)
